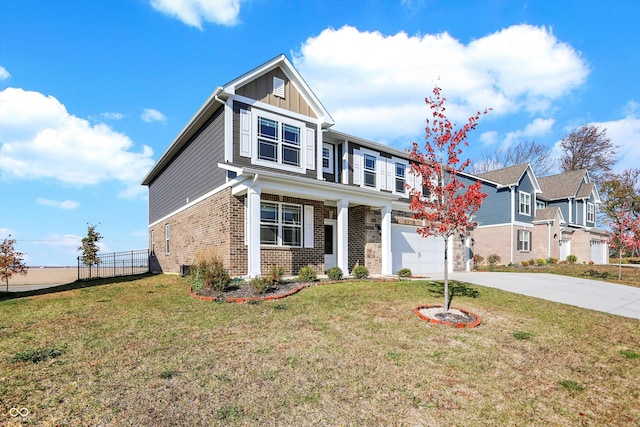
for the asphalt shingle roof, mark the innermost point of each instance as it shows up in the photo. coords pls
(563, 185)
(507, 176)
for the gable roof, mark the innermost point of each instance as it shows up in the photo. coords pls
(510, 176)
(568, 185)
(221, 94)
(281, 61)
(548, 214)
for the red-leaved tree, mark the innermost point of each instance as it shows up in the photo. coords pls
(444, 203)
(625, 233)
(11, 261)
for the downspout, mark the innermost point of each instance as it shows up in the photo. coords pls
(513, 219)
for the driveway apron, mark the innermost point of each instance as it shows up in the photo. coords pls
(592, 294)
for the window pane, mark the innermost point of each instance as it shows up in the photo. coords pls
(291, 236)
(267, 150)
(400, 169)
(267, 128)
(268, 235)
(291, 214)
(370, 179)
(290, 134)
(290, 155)
(399, 185)
(269, 212)
(369, 162)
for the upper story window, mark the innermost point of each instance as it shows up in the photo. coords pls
(401, 177)
(591, 212)
(524, 204)
(327, 158)
(280, 224)
(369, 170)
(278, 142)
(540, 204)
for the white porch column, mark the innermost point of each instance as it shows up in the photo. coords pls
(252, 228)
(387, 261)
(343, 236)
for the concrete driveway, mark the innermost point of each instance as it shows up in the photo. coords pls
(592, 294)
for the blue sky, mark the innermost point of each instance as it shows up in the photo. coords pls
(92, 93)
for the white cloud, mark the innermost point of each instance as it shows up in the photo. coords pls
(195, 12)
(150, 115)
(489, 138)
(112, 115)
(65, 204)
(4, 74)
(539, 127)
(5, 232)
(367, 77)
(40, 139)
(624, 132)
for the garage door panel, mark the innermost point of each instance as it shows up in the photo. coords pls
(422, 255)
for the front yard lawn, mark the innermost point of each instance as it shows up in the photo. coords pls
(352, 353)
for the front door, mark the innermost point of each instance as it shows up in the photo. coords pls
(330, 240)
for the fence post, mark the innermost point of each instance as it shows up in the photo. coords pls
(78, 268)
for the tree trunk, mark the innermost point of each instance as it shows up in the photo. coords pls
(446, 275)
(620, 268)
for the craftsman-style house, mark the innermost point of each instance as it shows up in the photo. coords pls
(259, 177)
(524, 217)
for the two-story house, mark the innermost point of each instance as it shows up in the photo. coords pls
(259, 177)
(525, 217)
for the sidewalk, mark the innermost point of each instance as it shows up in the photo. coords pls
(610, 298)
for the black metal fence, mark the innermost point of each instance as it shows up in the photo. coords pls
(115, 264)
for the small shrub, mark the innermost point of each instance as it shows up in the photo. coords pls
(261, 285)
(307, 274)
(540, 262)
(334, 273)
(477, 259)
(552, 260)
(404, 273)
(275, 275)
(210, 273)
(492, 260)
(360, 272)
(524, 263)
(572, 259)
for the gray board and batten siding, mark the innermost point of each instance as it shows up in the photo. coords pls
(261, 89)
(192, 173)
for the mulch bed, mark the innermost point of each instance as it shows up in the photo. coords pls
(243, 292)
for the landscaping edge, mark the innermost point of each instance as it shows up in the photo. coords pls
(470, 325)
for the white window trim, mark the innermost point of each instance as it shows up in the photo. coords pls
(527, 240)
(279, 224)
(591, 212)
(380, 171)
(255, 114)
(331, 149)
(520, 194)
(391, 175)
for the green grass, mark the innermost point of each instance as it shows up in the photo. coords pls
(352, 353)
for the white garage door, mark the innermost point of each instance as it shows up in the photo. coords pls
(419, 254)
(598, 251)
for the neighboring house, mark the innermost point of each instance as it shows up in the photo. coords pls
(258, 177)
(524, 217)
